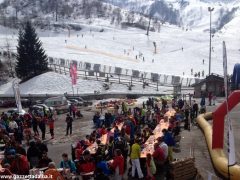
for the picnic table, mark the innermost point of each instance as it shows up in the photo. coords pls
(157, 132)
(104, 138)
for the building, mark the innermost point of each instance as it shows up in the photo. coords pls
(213, 83)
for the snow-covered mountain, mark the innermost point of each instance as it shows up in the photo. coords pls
(186, 13)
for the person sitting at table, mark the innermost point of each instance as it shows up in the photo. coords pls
(99, 175)
(15, 160)
(79, 149)
(110, 147)
(102, 164)
(44, 161)
(19, 149)
(67, 163)
(5, 170)
(102, 130)
(52, 172)
(87, 140)
(101, 149)
(118, 165)
(86, 164)
(33, 154)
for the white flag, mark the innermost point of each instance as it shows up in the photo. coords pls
(225, 69)
(231, 144)
(17, 96)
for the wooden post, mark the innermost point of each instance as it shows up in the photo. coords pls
(107, 80)
(85, 74)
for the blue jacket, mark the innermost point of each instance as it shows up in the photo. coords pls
(168, 139)
(68, 165)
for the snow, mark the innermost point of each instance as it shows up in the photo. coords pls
(53, 83)
(179, 49)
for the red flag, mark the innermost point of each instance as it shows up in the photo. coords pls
(73, 73)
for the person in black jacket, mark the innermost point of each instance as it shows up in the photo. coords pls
(69, 121)
(33, 154)
(41, 146)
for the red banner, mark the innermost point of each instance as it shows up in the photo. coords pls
(73, 73)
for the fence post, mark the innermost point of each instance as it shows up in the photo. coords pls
(157, 85)
(107, 80)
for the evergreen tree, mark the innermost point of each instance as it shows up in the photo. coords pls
(31, 57)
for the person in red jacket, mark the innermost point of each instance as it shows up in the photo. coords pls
(118, 165)
(51, 127)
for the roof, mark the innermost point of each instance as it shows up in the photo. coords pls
(212, 76)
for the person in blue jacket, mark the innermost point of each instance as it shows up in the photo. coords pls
(68, 164)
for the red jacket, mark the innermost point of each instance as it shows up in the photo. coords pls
(158, 154)
(118, 161)
(20, 165)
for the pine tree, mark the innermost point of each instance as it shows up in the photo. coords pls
(31, 57)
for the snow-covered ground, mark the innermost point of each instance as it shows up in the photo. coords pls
(178, 51)
(53, 83)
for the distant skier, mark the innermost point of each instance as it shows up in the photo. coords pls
(192, 71)
(65, 41)
(85, 47)
(203, 61)
(182, 48)
(143, 59)
(183, 73)
(82, 35)
(203, 73)
(136, 56)
(152, 60)
(133, 48)
(199, 74)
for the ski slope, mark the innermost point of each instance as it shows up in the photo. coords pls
(119, 47)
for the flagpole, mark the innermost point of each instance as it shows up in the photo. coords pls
(231, 146)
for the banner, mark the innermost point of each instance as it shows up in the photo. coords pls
(17, 96)
(73, 73)
(231, 144)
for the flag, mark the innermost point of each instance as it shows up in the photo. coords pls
(17, 96)
(231, 144)
(73, 73)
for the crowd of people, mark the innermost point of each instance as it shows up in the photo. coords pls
(23, 144)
